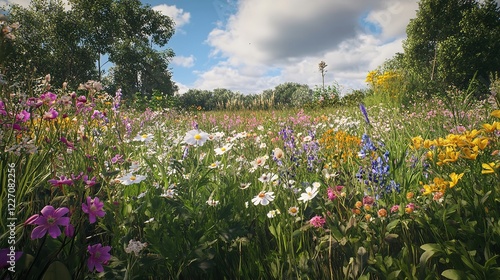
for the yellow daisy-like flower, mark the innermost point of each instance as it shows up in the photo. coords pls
(496, 113)
(488, 168)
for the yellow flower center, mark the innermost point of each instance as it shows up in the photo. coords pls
(262, 195)
(197, 137)
(132, 178)
(293, 210)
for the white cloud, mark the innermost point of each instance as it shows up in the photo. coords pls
(178, 15)
(294, 37)
(184, 61)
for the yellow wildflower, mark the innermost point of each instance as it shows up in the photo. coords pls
(496, 113)
(488, 168)
(454, 178)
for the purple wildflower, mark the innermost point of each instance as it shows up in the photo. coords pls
(50, 114)
(49, 221)
(61, 182)
(8, 257)
(93, 208)
(99, 255)
(365, 113)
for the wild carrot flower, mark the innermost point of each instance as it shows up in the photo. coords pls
(99, 255)
(135, 247)
(263, 198)
(49, 221)
(317, 221)
(93, 207)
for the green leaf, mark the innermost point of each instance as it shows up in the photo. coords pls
(392, 225)
(485, 197)
(431, 247)
(454, 274)
(57, 271)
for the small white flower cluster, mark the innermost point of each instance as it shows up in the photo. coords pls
(135, 247)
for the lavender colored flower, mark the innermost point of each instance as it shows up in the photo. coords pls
(364, 112)
(99, 255)
(93, 207)
(49, 221)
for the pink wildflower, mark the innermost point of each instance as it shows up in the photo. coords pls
(93, 208)
(317, 221)
(49, 221)
(50, 114)
(99, 255)
(61, 182)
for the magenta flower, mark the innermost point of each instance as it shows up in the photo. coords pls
(69, 145)
(23, 116)
(395, 208)
(61, 182)
(332, 194)
(93, 208)
(48, 98)
(2, 109)
(50, 220)
(99, 255)
(317, 221)
(50, 114)
(89, 182)
(34, 102)
(69, 231)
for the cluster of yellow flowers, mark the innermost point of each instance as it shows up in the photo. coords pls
(339, 146)
(467, 145)
(387, 82)
(439, 185)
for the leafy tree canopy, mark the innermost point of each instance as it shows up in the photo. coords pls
(68, 42)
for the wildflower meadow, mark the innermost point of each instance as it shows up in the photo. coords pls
(95, 190)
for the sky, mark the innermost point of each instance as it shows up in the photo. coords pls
(249, 46)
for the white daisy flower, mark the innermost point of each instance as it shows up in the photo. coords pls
(263, 198)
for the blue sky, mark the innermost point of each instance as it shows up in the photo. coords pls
(252, 45)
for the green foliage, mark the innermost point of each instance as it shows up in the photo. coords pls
(68, 42)
(449, 42)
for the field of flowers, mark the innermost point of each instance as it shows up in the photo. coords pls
(93, 190)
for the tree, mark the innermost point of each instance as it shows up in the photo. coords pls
(49, 41)
(450, 41)
(67, 43)
(322, 65)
